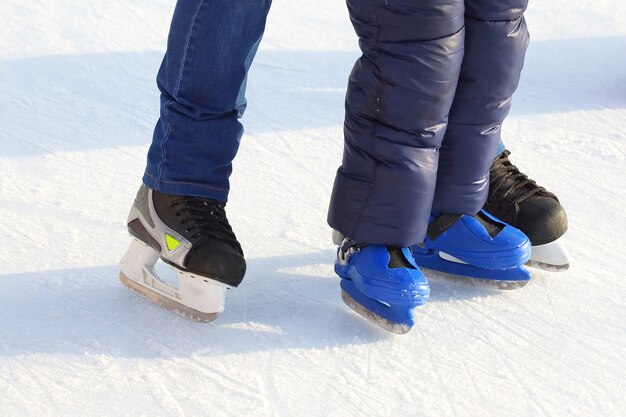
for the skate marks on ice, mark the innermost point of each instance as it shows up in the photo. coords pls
(518, 344)
(553, 334)
(290, 301)
(87, 311)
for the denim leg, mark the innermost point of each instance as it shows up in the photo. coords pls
(495, 44)
(202, 80)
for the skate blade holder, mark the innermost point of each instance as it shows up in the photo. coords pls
(552, 256)
(386, 324)
(394, 319)
(448, 265)
(198, 298)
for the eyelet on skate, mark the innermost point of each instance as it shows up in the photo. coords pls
(347, 249)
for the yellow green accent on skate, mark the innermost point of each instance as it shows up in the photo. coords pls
(172, 242)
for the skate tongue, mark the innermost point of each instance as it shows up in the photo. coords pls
(493, 227)
(205, 219)
(397, 258)
(441, 224)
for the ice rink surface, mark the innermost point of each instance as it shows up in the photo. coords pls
(78, 106)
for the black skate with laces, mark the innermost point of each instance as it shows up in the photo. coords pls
(193, 236)
(519, 201)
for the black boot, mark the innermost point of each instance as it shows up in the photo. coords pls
(192, 235)
(519, 201)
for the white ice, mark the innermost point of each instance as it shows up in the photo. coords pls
(77, 107)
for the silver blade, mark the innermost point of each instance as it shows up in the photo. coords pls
(374, 318)
(167, 303)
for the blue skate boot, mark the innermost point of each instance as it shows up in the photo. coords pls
(381, 283)
(478, 246)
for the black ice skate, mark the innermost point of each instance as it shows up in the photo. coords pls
(520, 202)
(193, 236)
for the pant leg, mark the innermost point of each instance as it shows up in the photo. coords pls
(495, 45)
(202, 81)
(397, 103)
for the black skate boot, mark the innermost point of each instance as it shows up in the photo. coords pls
(193, 236)
(520, 202)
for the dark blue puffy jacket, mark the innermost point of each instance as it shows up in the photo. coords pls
(424, 108)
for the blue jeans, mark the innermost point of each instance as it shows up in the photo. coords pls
(202, 81)
(501, 148)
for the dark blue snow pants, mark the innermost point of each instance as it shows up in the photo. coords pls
(424, 107)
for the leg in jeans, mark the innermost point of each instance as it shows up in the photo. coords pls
(398, 98)
(495, 44)
(179, 213)
(202, 82)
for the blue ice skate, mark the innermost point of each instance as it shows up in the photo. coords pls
(479, 246)
(382, 284)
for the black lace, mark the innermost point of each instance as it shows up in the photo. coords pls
(206, 218)
(508, 186)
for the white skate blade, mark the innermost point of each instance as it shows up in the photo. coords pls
(374, 318)
(198, 298)
(167, 303)
(552, 256)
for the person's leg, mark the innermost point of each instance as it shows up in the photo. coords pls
(462, 239)
(496, 41)
(179, 213)
(398, 98)
(397, 103)
(202, 82)
(495, 45)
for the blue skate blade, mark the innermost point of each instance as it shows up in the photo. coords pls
(435, 262)
(400, 318)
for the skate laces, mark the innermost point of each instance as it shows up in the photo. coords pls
(206, 218)
(508, 186)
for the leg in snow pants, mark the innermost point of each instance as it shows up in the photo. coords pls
(424, 107)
